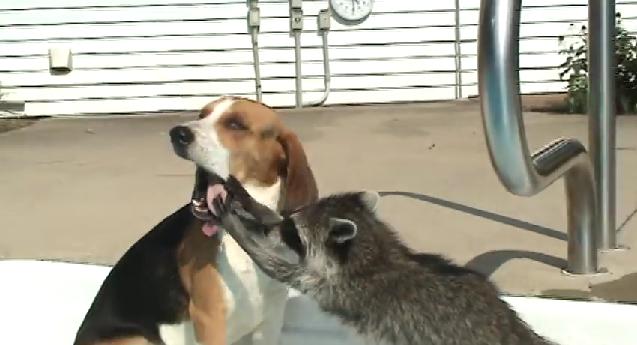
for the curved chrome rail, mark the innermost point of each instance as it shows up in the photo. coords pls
(521, 173)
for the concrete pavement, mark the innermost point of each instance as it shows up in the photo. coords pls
(86, 189)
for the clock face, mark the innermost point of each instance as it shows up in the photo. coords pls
(351, 12)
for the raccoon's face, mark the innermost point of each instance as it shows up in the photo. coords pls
(319, 237)
(324, 233)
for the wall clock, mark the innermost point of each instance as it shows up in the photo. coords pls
(351, 12)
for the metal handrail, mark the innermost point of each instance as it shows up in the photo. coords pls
(521, 173)
(601, 108)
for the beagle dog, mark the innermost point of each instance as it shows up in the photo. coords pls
(186, 281)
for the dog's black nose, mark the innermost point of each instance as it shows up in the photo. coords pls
(181, 135)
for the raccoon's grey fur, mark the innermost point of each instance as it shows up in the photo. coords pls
(341, 254)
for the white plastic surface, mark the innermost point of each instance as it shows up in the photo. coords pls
(43, 302)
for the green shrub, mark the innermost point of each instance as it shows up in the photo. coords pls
(575, 68)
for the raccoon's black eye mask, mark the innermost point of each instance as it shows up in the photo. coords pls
(290, 236)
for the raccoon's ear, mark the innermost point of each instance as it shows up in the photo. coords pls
(370, 200)
(342, 230)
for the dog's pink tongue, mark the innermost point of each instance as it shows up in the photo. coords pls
(215, 191)
(209, 229)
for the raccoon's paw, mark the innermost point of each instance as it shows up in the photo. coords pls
(221, 206)
(235, 188)
(230, 205)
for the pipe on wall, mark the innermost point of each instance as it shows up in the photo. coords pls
(296, 28)
(254, 22)
(323, 24)
(458, 51)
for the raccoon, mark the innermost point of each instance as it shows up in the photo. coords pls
(338, 252)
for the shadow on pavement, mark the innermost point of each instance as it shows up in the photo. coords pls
(538, 229)
(489, 262)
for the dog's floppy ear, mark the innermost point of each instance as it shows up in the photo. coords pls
(300, 187)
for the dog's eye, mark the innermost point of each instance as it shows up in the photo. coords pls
(236, 124)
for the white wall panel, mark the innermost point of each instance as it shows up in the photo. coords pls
(153, 55)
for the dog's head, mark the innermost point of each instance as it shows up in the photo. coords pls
(246, 139)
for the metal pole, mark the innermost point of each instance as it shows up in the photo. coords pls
(601, 108)
(521, 173)
(323, 26)
(257, 69)
(297, 68)
(254, 21)
(296, 27)
(326, 74)
(458, 52)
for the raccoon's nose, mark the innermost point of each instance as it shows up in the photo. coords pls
(181, 135)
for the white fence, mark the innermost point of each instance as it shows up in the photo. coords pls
(158, 55)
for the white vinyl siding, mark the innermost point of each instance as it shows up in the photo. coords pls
(158, 55)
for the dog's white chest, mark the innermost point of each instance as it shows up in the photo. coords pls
(250, 296)
(246, 289)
